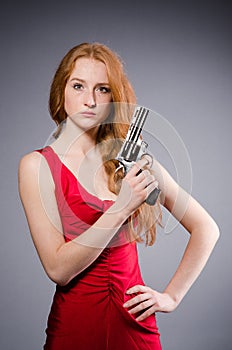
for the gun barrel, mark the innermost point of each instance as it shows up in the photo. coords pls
(137, 124)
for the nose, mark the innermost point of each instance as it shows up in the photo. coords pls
(90, 99)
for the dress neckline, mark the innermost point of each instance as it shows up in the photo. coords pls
(76, 179)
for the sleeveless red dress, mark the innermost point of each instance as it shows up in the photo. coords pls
(88, 313)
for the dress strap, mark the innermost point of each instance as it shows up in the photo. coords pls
(54, 164)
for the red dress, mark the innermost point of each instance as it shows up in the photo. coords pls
(88, 313)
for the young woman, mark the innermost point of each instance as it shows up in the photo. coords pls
(86, 219)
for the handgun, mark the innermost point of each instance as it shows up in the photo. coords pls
(134, 148)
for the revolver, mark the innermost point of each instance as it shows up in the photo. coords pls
(134, 148)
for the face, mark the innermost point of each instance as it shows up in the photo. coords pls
(87, 93)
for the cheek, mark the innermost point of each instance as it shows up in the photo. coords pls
(70, 103)
(109, 98)
(66, 101)
(104, 110)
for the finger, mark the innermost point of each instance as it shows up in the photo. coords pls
(149, 159)
(142, 306)
(137, 299)
(138, 288)
(142, 162)
(146, 314)
(145, 182)
(138, 166)
(152, 186)
(143, 176)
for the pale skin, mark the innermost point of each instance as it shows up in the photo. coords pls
(87, 89)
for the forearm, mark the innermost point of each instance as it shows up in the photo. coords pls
(62, 260)
(76, 255)
(200, 245)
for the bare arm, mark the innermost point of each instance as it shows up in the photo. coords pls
(204, 234)
(62, 260)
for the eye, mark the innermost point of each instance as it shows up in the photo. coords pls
(103, 89)
(78, 86)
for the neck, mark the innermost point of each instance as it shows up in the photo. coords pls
(76, 140)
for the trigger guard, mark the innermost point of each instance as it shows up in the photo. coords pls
(150, 163)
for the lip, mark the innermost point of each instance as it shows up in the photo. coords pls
(88, 114)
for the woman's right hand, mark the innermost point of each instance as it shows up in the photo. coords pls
(136, 187)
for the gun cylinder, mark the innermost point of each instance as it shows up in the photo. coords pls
(130, 151)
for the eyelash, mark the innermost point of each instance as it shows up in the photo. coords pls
(77, 86)
(102, 89)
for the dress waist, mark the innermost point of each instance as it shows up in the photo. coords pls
(115, 270)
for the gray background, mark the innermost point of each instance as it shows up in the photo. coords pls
(178, 56)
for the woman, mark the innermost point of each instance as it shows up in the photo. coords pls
(85, 218)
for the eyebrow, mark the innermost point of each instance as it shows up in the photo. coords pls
(83, 81)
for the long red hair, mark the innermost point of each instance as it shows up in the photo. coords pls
(111, 133)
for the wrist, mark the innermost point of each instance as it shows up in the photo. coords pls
(120, 212)
(176, 299)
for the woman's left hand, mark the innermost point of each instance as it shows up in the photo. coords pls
(148, 301)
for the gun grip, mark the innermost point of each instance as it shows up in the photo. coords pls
(152, 198)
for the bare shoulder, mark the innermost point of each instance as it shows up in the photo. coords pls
(31, 167)
(28, 171)
(30, 161)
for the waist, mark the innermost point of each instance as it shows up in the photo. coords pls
(116, 268)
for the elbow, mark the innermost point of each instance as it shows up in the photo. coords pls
(59, 280)
(217, 232)
(58, 277)
(60, 273)
(208, 230)
(214, 231)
